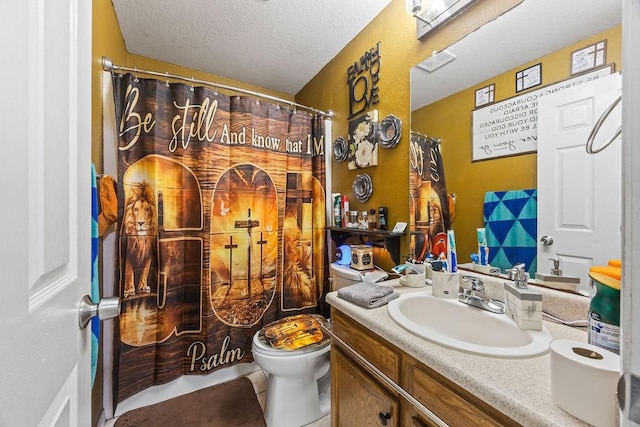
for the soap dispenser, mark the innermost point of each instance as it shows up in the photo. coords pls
(556, 267)
(556, 280)
(522, 304)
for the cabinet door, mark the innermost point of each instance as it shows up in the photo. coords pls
(419, 421)
(456, 408)
(382, 355)
(356, 399)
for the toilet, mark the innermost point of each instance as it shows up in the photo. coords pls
(295, 353)
(344, 275)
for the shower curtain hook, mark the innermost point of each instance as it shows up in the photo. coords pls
(215, 90)
(166, 76)
(192, 82)
(135, 75)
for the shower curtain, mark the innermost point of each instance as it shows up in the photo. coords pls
(429, 208)
(221, 207)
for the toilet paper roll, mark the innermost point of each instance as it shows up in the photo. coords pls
(583, 381)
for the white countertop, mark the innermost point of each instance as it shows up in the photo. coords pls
(520, 388)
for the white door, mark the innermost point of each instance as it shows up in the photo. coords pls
(579, 194)
(45, 171)
(630, 312)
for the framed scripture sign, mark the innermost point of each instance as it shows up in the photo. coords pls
(590, 57)
(510, 127)
(485, 95)
(528, 78)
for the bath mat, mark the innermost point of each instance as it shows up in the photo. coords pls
(233, 403)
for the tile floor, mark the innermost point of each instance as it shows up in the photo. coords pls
(259, 380)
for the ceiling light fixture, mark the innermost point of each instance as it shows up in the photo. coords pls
(436, 60)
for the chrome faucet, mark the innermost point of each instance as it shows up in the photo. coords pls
(519, 276)
(476, 297)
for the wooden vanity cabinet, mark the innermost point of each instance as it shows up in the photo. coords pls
(356, 399)
(376, 350)
(450, 402)
(359, 398)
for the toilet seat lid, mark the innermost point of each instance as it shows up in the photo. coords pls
(299, 333)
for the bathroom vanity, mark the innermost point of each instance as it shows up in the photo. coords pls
(457, 387)
(358, 399)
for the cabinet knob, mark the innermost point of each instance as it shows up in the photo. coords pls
(384, 418)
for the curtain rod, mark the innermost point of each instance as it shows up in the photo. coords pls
(438, 140)
(109, 66)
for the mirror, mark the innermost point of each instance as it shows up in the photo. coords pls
(442, 101)
(430, 14)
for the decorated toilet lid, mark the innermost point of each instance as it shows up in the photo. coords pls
(297, 333)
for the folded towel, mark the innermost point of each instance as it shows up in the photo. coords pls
(367, 295)
(108, 203)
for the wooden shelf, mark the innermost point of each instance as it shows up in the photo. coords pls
(390, 240)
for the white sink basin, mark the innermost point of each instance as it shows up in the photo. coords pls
(459, 326)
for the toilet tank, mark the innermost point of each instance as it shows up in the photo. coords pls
(344, 275)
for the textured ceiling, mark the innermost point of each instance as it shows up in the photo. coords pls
(276, 44)
(531, 30)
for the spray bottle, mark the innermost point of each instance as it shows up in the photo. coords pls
(337, 210)
(345, 210)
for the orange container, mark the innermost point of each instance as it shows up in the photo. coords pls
(615, 263)
(607, 270)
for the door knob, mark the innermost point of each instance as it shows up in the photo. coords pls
(547, 240)
(107, 308)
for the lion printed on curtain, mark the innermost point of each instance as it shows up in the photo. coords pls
(140, 224)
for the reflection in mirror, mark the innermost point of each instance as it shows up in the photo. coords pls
(430, 14)
(544, 32)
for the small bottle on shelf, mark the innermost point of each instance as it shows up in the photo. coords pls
(337, 210)
(345, 209)
(372, 219)
(382, 218)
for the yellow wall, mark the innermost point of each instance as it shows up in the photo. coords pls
(399, 51)
(108, 41)
(450, 120)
